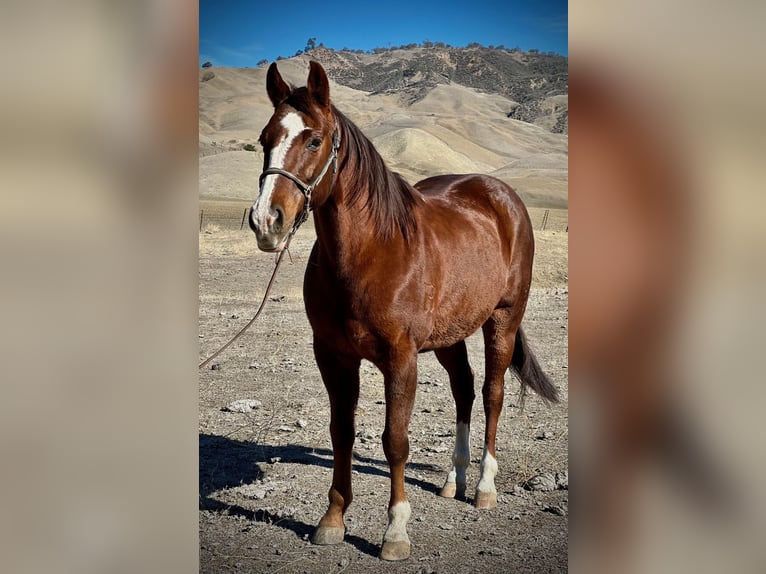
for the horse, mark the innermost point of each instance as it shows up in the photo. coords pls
(396, 270)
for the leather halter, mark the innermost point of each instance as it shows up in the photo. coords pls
(307, 188)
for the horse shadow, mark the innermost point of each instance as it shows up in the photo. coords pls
(226, 463)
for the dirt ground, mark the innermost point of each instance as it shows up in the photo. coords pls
(264, 474)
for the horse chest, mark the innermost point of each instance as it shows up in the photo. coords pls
(365, 322)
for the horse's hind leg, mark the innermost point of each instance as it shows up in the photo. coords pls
(341, 379)
(455, 360)
(499, 338)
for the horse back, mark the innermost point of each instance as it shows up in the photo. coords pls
(478, 196)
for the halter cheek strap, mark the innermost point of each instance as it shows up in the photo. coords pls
(307, 188)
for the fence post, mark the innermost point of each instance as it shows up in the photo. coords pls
(242, 225)
(201, 213)
(545, 218)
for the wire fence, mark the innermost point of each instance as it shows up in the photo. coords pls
(542, 219)
(215, 150)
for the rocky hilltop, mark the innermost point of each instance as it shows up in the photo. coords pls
(537, 83)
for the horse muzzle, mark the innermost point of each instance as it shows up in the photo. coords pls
(270, 231)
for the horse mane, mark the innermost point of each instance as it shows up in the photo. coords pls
(387, 196)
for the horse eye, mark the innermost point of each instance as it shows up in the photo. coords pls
(314, 144)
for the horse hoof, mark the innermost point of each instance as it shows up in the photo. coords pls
(448, 490)
(485, 500)
(399, 550)
(325, 535)
(452, 490)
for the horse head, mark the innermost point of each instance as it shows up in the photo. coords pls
(300, 146)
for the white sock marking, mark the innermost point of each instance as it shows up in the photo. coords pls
(294, 125)
(398, 516)
(461, 456)
(488, 472)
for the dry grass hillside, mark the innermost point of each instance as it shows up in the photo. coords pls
(452, 129)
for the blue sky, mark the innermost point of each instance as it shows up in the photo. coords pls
(239, 33)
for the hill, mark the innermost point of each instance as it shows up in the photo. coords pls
(535, 82)
(423, 123)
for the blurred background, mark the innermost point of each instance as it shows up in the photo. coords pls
(98, 297)
(667, 280)
(98, 294)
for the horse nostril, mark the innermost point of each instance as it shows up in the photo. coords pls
(279, 219)
(251, 220)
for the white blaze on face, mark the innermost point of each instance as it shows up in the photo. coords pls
(293, 124)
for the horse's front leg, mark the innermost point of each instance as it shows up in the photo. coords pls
(400, 380)
(340, 375)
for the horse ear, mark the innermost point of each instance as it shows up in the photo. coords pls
(318, 84)
(276, 87)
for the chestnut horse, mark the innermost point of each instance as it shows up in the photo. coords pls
(396, 270)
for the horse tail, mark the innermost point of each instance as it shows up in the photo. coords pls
(530, 372)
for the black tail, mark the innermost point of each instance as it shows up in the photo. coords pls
(529, 370)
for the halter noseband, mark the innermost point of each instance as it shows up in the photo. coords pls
(307, 189)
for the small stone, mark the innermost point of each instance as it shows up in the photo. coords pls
(275, 459)
(285, 428)
(516, 517)
(215, 367)
(492, 552)
(562, 480)
(446, 526)
(252, 491)
(554, 509)
(343, 562)
(543, 482)
(517, 490)
(300, 423)
(253, 366)
(277, 298)
(242, 406)
(544, 435)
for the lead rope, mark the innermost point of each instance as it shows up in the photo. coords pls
(307, 190)
(281, 255)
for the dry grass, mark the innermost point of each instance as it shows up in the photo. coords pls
(549, 455)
